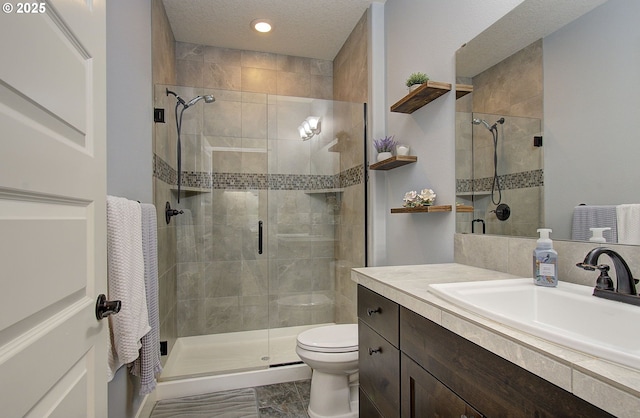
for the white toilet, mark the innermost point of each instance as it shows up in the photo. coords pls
(332, 352)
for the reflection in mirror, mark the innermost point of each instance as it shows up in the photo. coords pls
(497, 163)
(589, 94)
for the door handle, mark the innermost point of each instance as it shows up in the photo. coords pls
(106, 307)
(259, 237)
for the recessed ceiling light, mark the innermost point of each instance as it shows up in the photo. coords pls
(261, 25)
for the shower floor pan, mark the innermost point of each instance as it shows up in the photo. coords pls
(232, 352)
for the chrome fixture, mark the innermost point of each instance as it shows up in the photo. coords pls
(309, 127)
(185, 105)
(625, 289)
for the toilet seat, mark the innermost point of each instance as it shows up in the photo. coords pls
(341, 338)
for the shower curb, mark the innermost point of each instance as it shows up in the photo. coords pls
(209, 384)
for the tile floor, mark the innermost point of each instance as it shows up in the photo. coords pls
(290, 399)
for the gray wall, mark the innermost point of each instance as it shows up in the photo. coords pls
(129, 143)
(129, 100)
(423, 35)
(591, 104)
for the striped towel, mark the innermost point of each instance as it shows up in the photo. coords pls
(628, 224)
(147, 366)
(585, 217)
(125, 282)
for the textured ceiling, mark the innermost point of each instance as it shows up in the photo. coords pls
(525, 24)
(305, 28)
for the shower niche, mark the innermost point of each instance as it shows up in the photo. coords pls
(261, 243)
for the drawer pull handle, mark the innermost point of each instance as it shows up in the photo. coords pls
(370, 312)
(373, 351)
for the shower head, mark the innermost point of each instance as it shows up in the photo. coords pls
(476, 121)
(207, 99)
(481, 121)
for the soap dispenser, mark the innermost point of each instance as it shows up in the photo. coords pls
(596, 234)
(545, 261)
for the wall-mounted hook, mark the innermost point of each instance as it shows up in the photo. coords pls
(168, 212)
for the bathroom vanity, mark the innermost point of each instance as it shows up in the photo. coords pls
(422, 356)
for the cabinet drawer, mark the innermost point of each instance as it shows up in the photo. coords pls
(379, 313)
(379, 368)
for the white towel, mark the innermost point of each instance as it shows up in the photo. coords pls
(125, 282)
(628, 224)
(585, 217)
(148, 365)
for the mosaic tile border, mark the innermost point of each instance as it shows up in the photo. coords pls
(524, 179)
(242, 181)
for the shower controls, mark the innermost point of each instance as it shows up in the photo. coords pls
(168, 212)
(503, 211)
(106, 307)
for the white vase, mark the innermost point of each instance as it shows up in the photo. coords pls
(384, 155)
(402, 150)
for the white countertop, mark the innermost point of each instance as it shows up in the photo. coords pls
(609, 386)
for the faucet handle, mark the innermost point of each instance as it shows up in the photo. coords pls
(586, 266)
(604, 281)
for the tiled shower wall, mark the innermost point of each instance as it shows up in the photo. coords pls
(511, 89)
(350, 84)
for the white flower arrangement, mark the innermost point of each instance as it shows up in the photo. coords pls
(414, 199)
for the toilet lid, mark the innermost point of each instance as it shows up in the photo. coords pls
(330, 339)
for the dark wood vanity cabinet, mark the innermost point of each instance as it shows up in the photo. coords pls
(379, 356)
(413, 367)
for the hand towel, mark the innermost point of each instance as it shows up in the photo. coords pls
(628, 224)
(148, 365)
(585, 217)
(125, 277)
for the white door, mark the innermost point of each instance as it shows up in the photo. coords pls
(52, 208)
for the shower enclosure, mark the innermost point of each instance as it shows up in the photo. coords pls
(270, 220)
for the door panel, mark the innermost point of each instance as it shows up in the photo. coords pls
(52, 211)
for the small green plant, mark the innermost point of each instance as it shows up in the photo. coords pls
(417, 78)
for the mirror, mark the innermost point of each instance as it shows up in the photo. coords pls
(569, 81)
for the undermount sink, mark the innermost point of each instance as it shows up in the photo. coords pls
(568, 315)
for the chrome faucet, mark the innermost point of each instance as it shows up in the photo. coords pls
(625, 290)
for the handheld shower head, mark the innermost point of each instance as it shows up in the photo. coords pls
(481, 121)
(207, 99)
(476, 121)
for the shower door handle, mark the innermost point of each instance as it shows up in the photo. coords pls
(259, 237)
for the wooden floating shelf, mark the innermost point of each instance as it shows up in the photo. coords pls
(464, 208)
(393, 162)
(463, 89)
(423, 209)
(421, 96)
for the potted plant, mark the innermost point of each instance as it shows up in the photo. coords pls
(415, 80)
(384, 147)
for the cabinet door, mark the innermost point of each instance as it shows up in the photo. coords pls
(423, 396)
(379, 364)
